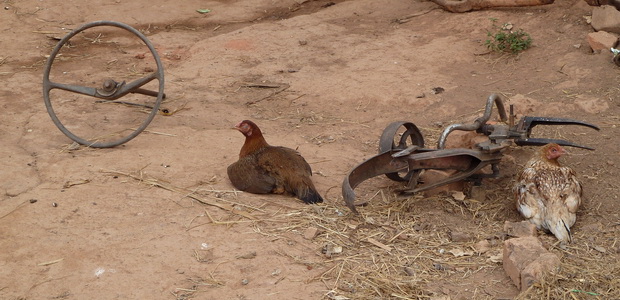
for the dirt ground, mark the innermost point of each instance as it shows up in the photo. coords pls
(157, 218)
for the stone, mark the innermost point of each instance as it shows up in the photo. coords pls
(519, 229)
(538, 268)
(464, 139)
(601, 41)
(432, 176)
(525, 261)
(310, 233)
(606, 18)
(459, 236)
(482, 247)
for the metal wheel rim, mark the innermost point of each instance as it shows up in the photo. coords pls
(386, 143)
(47, 86)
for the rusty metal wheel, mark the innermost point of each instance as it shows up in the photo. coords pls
(398, 136)
(92, 116)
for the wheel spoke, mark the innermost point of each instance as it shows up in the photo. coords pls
(84, 90)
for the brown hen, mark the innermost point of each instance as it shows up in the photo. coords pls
(262, 168)
(547, 194)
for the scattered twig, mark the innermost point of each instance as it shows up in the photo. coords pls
(14, 209)
(280, 88)
(69, 184)
(170, 187)
(51, 262)
(408, 18)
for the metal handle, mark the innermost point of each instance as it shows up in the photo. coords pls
(494, 98)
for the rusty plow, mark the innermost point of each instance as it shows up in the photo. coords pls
(403, 156)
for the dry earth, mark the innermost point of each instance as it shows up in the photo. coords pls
(127, 222)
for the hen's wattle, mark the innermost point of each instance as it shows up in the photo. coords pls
(548, 194)
(262, 168)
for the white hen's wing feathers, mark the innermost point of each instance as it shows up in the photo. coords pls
(548, 196)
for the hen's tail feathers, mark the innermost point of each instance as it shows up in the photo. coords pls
(311, 196)
(561, 231)
(570, 235)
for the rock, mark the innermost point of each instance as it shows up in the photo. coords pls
(458, 236)
(432, 176)
(606, 18)
(584, 7)
(601, 41)
(525, 261)
(310, 233)
(464, 139)
(482, 246)
(519, 229)
(458, 195)
(536, 270)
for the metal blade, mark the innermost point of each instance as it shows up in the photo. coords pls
(542, 142)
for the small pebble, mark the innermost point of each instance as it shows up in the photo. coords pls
(54, 204)
(245, 281)
(33, 200)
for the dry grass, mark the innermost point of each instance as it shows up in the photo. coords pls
(403, 247)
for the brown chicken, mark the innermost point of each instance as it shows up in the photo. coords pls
(547, 194)
(262, 168)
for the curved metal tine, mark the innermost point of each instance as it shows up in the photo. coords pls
(84, 90)
(531, 122)
(377, 165)
(543, 141)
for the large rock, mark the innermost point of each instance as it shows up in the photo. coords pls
(464, 139)
(525, 261)
(606, 18)
(432, 176)
(601, 41)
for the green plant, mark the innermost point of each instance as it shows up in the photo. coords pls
(503, 38)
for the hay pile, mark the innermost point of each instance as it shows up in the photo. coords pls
(414, 247)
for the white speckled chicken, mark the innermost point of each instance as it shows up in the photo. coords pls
(547, 194)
